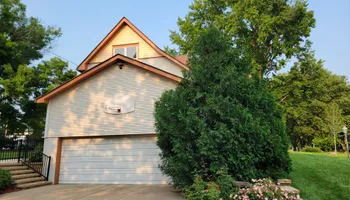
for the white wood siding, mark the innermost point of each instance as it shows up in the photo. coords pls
(164, 64)
(126, 36)
(79, 110)
(111, 160)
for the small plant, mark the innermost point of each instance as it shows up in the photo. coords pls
(311, 149)
(201, 190)
(36, 156)
(225, 182)
(5, 179)
(264, 189)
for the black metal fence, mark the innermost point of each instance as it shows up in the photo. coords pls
(8, 149)
(27, 150)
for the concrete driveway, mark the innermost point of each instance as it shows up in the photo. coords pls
(96, 192)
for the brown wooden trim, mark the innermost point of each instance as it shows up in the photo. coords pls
(58, 161)
(83, 66)
(125, 45)
(87, 74)
(151, 57)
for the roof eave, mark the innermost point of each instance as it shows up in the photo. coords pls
(88, 73)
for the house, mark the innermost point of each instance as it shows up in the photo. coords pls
(100, 125)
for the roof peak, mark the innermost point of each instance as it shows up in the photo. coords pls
(84, 64)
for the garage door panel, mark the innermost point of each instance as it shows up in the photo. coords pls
(114, 182)
(116, 152)
(152, 170)
(118, 158)
(107, 165)
(112, 160)
(112, 177)
(110, 140)
(114, 146)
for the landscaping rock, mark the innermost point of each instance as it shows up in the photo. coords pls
(242, 184)
(284, 182)
(289, 189)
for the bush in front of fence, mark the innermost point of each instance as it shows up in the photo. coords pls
(36, 155)
(5, 179)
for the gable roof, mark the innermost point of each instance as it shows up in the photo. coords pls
(98, 68)
(124, 21)
(182, 58)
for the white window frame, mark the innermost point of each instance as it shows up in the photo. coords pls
(125, 50)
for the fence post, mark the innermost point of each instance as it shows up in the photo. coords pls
(25, 153)
(48, 169)
(19, 150)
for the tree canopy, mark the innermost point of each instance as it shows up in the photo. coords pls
(304, 93)
(268, 32)
(220, 118)
(24, 40)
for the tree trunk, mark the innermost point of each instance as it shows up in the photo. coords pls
(335, 143)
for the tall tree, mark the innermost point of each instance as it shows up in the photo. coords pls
(333, 119)
(23, 40)
(220, 118)
(304, 93)
(268, 32)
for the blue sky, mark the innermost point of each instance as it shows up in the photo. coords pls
(85, 23)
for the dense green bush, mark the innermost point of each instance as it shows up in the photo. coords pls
(220, 118)
(201, 190)
(326, 143)
(225, 182)
(311, 149)
(37, 154)
(5, 179)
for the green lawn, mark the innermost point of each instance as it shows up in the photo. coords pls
(321, 176)
(8, 155)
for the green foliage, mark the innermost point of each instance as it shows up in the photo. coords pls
(5, 179)
(201, 190)
(324, 143)
(36, 155)
(311, 149)
(225, 182)
(171, 51)
(268, 32)
(264, 189)
(220, 118)
(23, 40)
(304, 93)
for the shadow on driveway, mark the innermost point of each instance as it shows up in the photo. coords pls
(96, 192)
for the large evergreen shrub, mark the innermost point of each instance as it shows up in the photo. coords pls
(220, 117)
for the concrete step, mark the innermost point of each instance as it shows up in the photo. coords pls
(34, 184)
(29, 180)
(284, 182)
(14, 168)
(18, 172)
(23, 176)
(10, 164)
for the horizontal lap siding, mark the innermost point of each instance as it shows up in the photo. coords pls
(111, 160)
(164, 64)
(80, 110)
(125, 36)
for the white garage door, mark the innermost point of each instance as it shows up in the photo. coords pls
(111, 160)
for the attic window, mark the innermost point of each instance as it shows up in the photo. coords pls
(129, 51)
